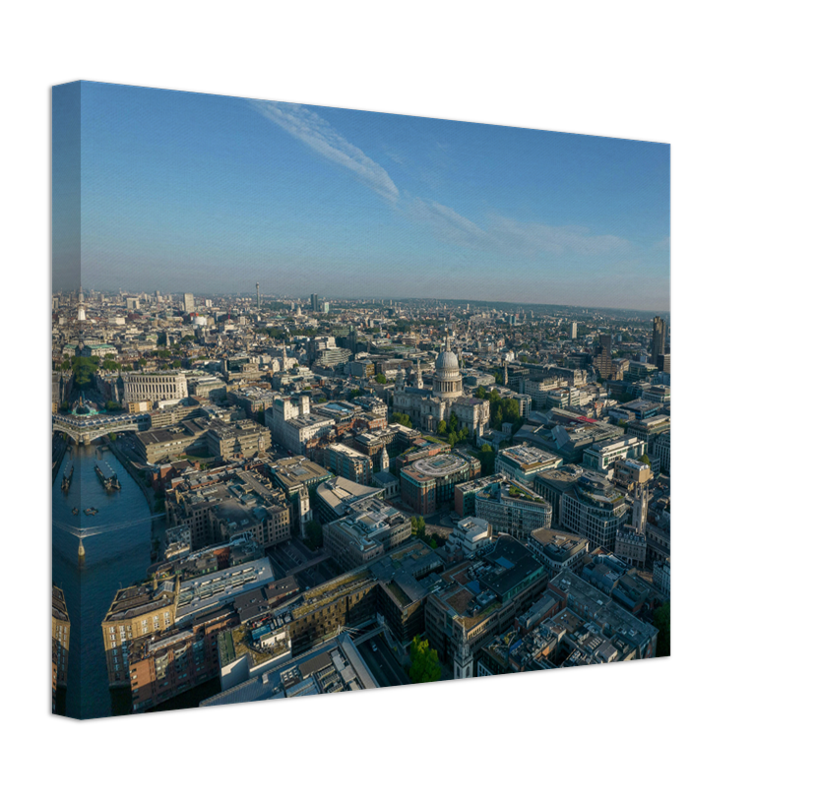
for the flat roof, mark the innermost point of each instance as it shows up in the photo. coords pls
(216, 588)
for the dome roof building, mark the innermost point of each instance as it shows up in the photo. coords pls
(428, 407)
(447, 382)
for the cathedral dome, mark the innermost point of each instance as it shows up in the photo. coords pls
(447, 360)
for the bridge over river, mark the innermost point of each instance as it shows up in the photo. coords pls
(83, 429)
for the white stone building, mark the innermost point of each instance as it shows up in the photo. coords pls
(428, 407)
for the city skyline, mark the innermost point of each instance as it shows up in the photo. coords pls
(187, 188)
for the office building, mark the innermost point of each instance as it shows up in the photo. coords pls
(465, 493)
(221, 504)
(658, 340)
(479, 598)
(172, 662)
(593, 508)
(154, 386)
(297, 476)
(136, 612)
(558, 550)
(601, 456)
(662, 451)
(335, 496)
(602, 357)
(428, 483)
(370, 529)
(332, 666)
(649, 430)
(662, 577)
(522, 462)
(60, 641)
(632, 638)
(470, 535)
(512, 508)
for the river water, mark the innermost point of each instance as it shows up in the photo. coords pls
(117, 554)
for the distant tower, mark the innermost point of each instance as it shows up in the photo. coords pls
(419, 382)
(574, 330)
(80, 312)
(506, 374)
(658, 340)
(385, 462)
(257, 290)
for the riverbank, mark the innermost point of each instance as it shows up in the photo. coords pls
(58, 451)
(157, 525)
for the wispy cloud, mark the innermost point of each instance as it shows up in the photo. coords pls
(445, 223)
(311, 129)
(500, 233)
(537, 237)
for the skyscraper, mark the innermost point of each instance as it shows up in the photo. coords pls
(574, 330)
(189, 303)
(602, 357)
(257, 289)
(658, 340)
(315, 302)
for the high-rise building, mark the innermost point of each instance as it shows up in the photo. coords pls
(315, 302)
(257, 290)
(658, 340)
(602, 358)
(574, 330)
(189, 303)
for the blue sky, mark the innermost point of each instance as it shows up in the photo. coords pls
(193, 192)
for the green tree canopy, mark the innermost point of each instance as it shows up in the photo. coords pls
(380, 378)
(424, 662)
(314, 534)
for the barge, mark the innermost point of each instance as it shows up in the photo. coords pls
(67, 476)
(107, 477)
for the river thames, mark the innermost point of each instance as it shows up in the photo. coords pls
(117, 554)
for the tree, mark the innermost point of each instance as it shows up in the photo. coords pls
(645, 460)
(662, 622)
(314, 534)
(381, 379)
(424, 662)
(487, 459)
(481, 393)
(442, 428)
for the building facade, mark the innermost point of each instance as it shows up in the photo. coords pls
(154, 386)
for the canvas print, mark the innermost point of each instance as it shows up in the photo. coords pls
(345, 400)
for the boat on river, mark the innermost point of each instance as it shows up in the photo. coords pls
(67, 476)
(107, 477)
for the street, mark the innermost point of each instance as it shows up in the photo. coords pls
(382, 663)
